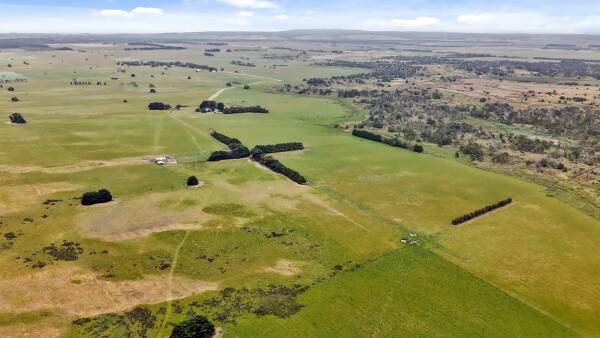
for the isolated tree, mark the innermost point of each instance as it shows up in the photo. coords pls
(246, 87)
(159, 106)
(17, 118)
(14, 99)
(11, 89)
(96, 197)
(192, 181)
(418, 148)
(196, 327)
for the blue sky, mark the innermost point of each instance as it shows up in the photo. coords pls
(136, 16)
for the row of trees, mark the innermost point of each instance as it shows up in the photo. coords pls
(86, 83)
(242, 63)
(226, 140)
(238, 150)
(96, 197)
(277, 148)
(241, 110)
(17, 118)
(394, 142)
(276, 166)
(480, 212)
(168, 64)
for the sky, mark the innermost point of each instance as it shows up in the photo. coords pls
(158, 16)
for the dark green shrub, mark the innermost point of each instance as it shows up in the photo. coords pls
(192, 181)
(96, 197)
(196, 327)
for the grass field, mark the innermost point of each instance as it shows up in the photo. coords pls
(515, 272)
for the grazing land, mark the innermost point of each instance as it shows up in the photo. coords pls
(364, 246)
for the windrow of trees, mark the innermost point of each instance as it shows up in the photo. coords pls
(241, 110)
(159, 106)
(242, 63)
(96, 197)
(17, 118)
(238, 150)
(394, 142)
(86, 83)
(211, 106)
(276, 166)
(226, 140)
(277, 148)
(481, 212)
(168, 64)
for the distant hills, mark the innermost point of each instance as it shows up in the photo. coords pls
(303, 35)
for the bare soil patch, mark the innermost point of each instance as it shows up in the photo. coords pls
(73, 168)
(53, 289)
(285, 268)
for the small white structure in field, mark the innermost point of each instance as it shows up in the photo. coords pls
(163, 160)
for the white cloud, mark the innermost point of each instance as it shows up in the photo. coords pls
(475, 19)
(257, 4)
(147, 10)
(244, 14)
(418, 22)
(138, 11)
(113, 13)
(281, 17)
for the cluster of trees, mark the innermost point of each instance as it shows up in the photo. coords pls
(159, 106)
(563, 68)
(238, 150)
(277, 148)
(473, 149)
(394, 142)
(276, 166)
(168, 64)
(17, 118)
(195, 327)
(383, 70)
(96, 197)
(208, 106)
(241, 110)
(480, 212)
